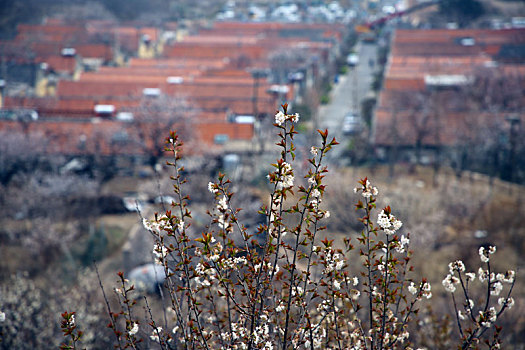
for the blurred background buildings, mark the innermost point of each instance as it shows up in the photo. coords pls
(426, 96)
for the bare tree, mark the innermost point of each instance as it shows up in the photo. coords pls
(395, 130)
(154, 118)
(409, 125)
(494, 105)
(42, 230)
(19, 153)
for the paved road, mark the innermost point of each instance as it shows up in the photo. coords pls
(347, 95)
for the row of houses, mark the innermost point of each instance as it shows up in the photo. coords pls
(450, 91)
(95, 83)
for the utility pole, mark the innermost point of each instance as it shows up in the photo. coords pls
(514, 121)
(257, 73)
(355, 84)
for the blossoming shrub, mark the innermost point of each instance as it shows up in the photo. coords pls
(478, 319)
(284, 285)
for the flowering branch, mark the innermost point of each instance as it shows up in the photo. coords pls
(473, 327)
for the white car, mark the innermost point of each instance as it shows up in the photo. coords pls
(352, 124)
(352, 59)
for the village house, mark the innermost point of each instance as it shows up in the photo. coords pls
(443, 94)
(97, 86)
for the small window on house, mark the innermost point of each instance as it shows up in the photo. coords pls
(174, 80)
(125, 116)
(467, 41)
(104, 110)
(244, 119)
(220, 139)
(68, 52)
(151, 92)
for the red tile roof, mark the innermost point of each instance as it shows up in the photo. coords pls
(417, 54)
(95, 51)
(61, 34)
(208, 131)
(61, 64)
(404, 84)
(448, 42)
(179, 62)
(211, 64)
(77, 137)
(130, 86)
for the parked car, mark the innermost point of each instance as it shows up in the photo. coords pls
(352, 124)
(352, 59)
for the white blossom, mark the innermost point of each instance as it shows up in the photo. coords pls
(240, 261)
(403, 336)
(134, 329)
(280, 118)
(426, 288)
(484, 253)
(388, 222)
(509, 302)
(412, 288)
(471, 276)
(223, 223)
(483, 274)
(508, 277)
(287, 178)
(297, 291)
(337, 284)
(2, 316)
(492, 314)
(314, 151)
(367, 190)
(155, 334)
(200, 269)
(323, 306)
(151, 226)
(449, 283)
(496, 288)
(211, 188)
(404, 241)
(488, 318)
(456, 266)
(160, 252)
(223, 203)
